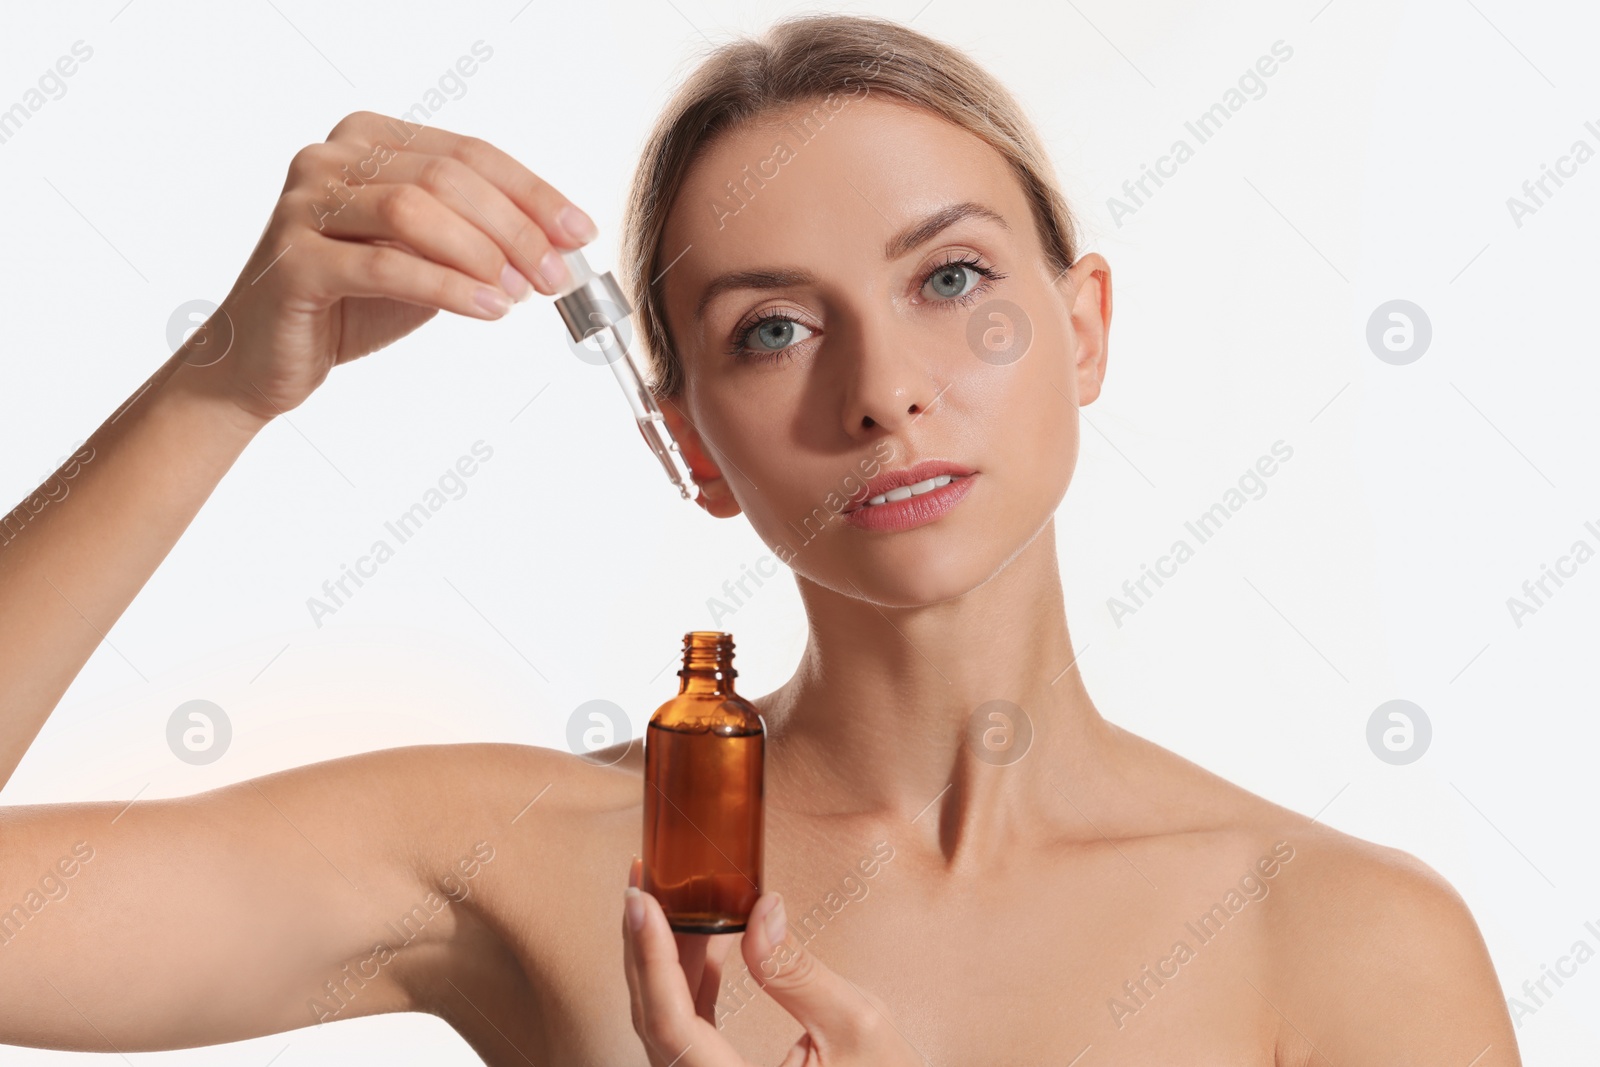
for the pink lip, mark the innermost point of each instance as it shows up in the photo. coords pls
(917, 472)
(913, 511)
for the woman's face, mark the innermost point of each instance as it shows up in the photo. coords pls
(861, 353)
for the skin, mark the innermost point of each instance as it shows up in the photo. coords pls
(1009, 901)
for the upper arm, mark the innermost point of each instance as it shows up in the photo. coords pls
(1385, 964)
(319, 892)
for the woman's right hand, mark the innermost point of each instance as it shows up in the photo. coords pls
(373, 235)
(845, 1025)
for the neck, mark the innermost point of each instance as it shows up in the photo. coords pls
(889, 712)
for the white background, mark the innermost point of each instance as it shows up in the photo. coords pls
(1376, 166)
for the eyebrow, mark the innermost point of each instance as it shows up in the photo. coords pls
(907, 239)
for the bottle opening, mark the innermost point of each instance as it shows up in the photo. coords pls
(708, 652)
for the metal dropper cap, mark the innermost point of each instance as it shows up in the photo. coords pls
(588, 301)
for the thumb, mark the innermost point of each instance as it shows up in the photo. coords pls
(834, 1011)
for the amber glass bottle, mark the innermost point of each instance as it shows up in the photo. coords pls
(704, 752)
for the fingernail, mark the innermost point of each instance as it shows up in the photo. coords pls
(512, 281)
(777, 923)
(634, 870)
(579, 225)
(492, 300)
(552, 269)
(633, 904)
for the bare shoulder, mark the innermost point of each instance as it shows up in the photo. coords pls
(496, 834)
(459, 789)
(1378, 959)
(427, 807)
(521, 796)
(1371, 955)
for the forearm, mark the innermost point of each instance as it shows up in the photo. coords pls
(75, 552)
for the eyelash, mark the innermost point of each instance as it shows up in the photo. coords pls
(740, 351)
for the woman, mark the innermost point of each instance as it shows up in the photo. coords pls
(850, 261)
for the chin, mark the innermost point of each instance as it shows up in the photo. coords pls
(903, 590)
(905, 570)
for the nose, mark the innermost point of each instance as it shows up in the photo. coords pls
(891, 387)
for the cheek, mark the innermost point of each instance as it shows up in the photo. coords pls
(755, 450)
(1031, 406)
(789, 486)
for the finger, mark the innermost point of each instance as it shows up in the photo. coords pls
(692, 961)
(532, 194)
(715, 950)
(826, 1004)
(519, 238)
(351, 268)
(412, 216)
(630, 963)
(663, 1015)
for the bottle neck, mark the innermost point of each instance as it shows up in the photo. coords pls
(707, 663)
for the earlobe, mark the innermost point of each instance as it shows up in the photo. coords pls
(714, 495)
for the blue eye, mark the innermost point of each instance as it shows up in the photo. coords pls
(952, 275)
(774, 335)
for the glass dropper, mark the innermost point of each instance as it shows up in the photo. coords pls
(594, 307)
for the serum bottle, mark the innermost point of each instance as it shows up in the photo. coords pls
(704, 753)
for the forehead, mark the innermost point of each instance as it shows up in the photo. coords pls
(807, 186)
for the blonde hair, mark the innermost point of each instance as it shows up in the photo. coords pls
(798, 60)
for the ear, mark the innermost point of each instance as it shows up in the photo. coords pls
(1087, 290)
(715, 496)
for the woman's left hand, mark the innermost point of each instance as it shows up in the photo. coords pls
(845, 1025)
